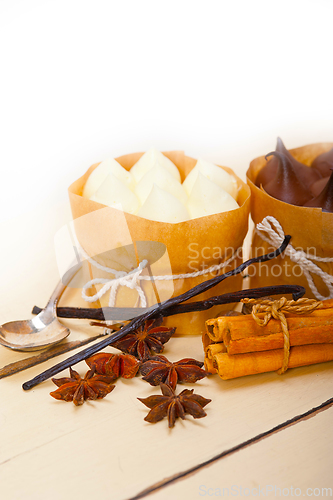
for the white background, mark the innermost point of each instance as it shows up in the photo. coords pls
(82, 80)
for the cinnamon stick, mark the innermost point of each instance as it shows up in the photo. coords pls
(50, 353)
(210, 351)
(241, 334)
(239, 365)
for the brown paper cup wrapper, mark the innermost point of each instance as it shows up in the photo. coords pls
(188, 246)
(310, 228)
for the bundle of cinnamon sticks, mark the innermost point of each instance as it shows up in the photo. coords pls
(236, 345)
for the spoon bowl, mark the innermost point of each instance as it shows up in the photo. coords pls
(44, 329)
(26, 336)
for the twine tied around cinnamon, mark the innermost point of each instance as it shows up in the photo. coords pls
(265, 309)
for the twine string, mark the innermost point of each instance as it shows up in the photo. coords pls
(133, 279)
(265, 309)
(130, 280)
(270, 230)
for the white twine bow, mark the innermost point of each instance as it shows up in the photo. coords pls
(273, 229)
(130, 280)
(133, 279)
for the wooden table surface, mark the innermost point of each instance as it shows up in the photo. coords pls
(104, 449)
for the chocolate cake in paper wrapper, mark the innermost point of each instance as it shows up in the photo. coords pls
(120, 241)
(311, 230)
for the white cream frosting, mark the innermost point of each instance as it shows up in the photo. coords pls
(163, 179)
(148, 161)
(215, 174)
(97, 176)
(208, 198)
(113, 192)
(158, 195)
(163, 206)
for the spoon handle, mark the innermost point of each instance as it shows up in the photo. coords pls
(59, 289)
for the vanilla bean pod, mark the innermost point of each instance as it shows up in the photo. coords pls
(297, 292)
(96, 313)
(156, 310)
(125, 313)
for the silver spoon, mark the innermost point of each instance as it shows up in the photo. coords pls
(42, 330)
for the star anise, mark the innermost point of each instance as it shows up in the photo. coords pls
(174, 406)
(77, 389)
(149, 337)
(159, 369)
(116, 365)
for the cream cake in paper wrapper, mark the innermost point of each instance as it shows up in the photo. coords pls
(120, 241)
(309, 262)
